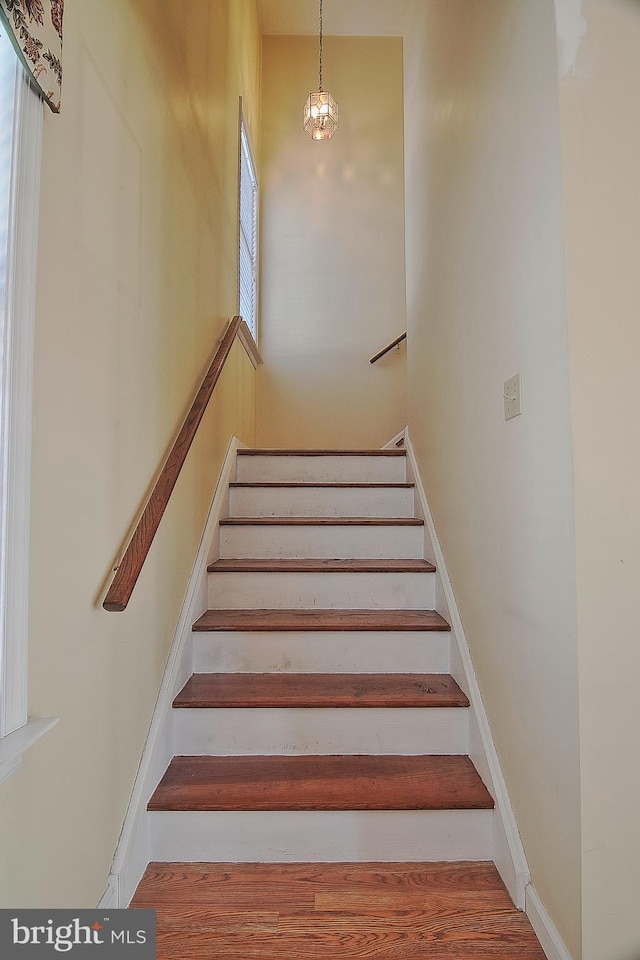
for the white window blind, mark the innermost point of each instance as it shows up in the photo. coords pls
(248, 278)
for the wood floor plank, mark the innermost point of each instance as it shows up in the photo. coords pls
(322, 522)
(222, 920)
(324, 484)
(329, 619)
(393, 903)
(260, 882)
(346, 941)
(223, 899)
(443, 922)
(304, 565)
(253, 452)
(457, 911)
(373, 945)
(214, 690)
(321, 783)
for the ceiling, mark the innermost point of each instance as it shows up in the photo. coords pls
(360, 18)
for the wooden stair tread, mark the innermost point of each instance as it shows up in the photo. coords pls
(321, 783)
(321, 566)
(211, 690)
(299, 911)
(331, 619)
(322, 522)
(262, 452)
(322, 484)
(257, 885)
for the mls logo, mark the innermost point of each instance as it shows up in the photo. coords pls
(83, 933)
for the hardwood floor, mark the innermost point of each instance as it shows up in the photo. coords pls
(254, 690)
(331, 619)
(381, 911)
(325, 484)
(266, 452)
(306, 782)
(306, 565)
(322, 522)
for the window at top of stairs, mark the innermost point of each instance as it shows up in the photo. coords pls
(248, 216)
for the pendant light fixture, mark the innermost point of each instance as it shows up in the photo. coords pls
(320, 115)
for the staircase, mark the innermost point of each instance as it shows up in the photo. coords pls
(321, 722)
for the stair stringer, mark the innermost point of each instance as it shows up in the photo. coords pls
(133, 851)
(509, 855)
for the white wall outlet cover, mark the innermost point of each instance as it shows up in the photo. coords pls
(512, 400)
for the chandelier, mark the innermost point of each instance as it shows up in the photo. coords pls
(320, 115)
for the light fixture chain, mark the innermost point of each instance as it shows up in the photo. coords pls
(320, 84)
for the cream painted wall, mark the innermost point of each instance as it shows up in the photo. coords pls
(332, 240)
(136, 281)
(599, 96)
(486, 298)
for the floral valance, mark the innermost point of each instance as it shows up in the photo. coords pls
(35, 28)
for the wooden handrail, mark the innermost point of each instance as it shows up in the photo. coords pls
(389, 346)
(128, 570)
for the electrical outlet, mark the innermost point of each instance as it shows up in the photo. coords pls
(512, 404)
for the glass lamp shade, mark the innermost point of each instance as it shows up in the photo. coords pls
(320, 116)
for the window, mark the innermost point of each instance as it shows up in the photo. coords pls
(248, 269)
(20, 132)
(8, 78)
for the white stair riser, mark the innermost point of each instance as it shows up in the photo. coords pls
(322, 652)
(313, 730)
(320, 502)
(321, 542)
(329, 469)
(387, 591)
(278, 836)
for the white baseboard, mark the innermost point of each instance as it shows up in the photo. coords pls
(509, 853)
(109, 899)
(16, 743)
(133, 849)
(544, 928)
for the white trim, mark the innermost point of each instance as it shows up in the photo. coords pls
(544, 927)
(109, 899)
(14, 744)
(246, 339)
(393, 443)
(133, 850)
(509, 853)
(320, 836)
(17, 400)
